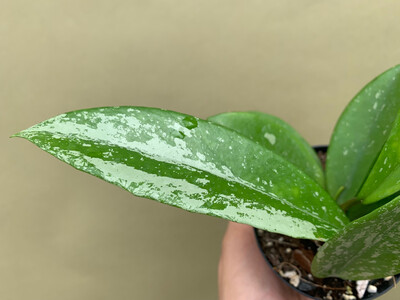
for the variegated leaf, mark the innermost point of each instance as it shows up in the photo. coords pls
(192, 164)
(277, 136)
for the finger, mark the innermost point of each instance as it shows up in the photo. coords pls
(243, 271)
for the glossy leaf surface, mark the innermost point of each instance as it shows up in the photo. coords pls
(367, 248)
(192, 164)
(384, 178)
(276, 135)
(360, 134)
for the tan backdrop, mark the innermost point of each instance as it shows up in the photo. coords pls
(67, 235)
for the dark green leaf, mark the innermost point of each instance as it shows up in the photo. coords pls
(359, 209)
(367, 248)
(384, 178)
(276, 135)
(360, 134)
(192, 164)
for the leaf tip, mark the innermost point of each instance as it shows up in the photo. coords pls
(15, 135)
(18, 135)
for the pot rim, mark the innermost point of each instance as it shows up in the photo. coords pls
(372, 296)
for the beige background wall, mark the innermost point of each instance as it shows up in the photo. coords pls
(66, 235)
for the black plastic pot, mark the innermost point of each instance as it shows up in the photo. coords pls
(383, 287)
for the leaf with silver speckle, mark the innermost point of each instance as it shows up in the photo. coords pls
(367, 248)
(360, 134)
(192, 164)
(384, 178)
(276, 135)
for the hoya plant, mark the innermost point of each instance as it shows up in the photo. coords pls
(253, 168)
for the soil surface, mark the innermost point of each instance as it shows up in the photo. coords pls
(291, 258)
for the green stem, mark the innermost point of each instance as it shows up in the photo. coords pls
(339, 191)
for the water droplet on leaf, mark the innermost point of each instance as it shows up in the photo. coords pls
(189, 122)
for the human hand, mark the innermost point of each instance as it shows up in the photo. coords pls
(243, 273)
